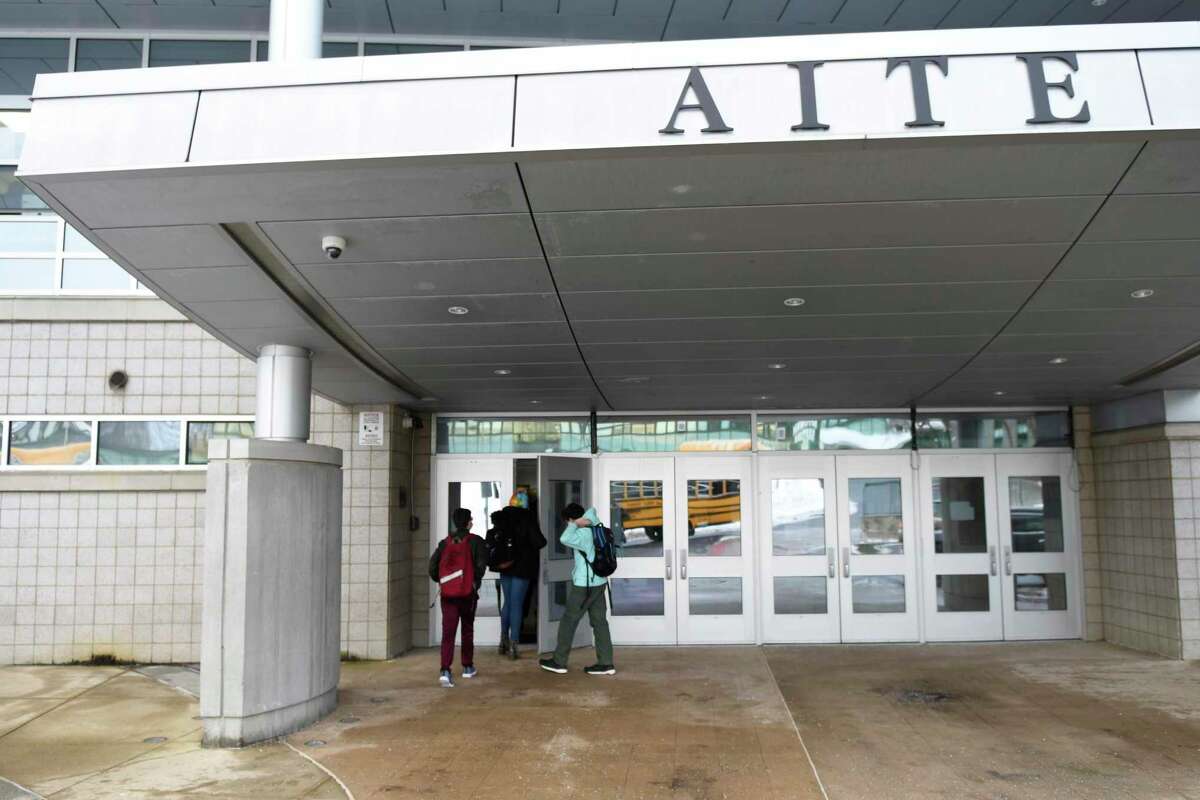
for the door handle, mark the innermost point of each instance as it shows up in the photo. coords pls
(832, 556)
(1008, 559)
(667, 553)
(992, 559)
(682, 564)
(845, 562)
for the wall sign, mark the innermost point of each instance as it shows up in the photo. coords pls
(370, 429)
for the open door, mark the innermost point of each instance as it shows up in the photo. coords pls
(561, 480)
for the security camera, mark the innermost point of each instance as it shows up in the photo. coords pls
(333, 247)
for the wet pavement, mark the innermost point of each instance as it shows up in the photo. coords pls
(1046, 720)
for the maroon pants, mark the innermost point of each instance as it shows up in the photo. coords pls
(455, 609)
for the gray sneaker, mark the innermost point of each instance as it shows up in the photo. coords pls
(512, 651)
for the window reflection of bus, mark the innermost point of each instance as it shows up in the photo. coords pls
(709, 502)
(50, 442)
(879, 517)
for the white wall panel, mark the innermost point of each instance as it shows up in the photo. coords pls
(1171, 79)
(87, 133)
(392, 118)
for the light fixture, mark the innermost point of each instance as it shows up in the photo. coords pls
(502, 372)
(458, 311)
(999, 393)
(776, 366)
(428, 398)
(1141, 294)
(1099, 3)
(535, 402)
(1059, 360)
(634, 379)
(763, 397)
(794, 302)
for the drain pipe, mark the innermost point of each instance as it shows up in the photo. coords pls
(296, 27)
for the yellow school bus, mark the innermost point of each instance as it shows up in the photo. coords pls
(638, 504)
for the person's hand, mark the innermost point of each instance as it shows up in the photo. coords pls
(582, 522)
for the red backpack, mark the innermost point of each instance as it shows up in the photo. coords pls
(456, 569)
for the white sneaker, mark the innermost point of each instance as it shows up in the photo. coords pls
(446, 679)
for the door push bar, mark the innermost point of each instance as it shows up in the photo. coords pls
(667, 553)
(992, 559)
(831, 554)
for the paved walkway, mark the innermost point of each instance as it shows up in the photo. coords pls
(1061, 720)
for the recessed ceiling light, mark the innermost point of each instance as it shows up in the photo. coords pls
(794, 302)
(1099, 3)
(776, 366)
(459, 310)
(535, 402)
(1142, 294)
(682, 188)
(502, 372)
(999, 393)
(428, 398)
(1059, 360)
(634, 379)
(763, 397)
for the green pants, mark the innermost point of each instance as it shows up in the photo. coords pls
(591, 601)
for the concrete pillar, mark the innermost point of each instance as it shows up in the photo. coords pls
(295, 32)
(270, 636)
(284, 393)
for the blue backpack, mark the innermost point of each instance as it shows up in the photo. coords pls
(605, 546)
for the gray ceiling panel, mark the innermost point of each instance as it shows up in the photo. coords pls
(413, 359)
(865, 14)
(1084, 12)
(810, 12)
(815, 327)
(1150, 320)
(807, 267)
(487, 370)
(486, 308)
(880, 174)
(1030, 12)
(1152, 216)
(975, 13)
(250, 339)
(920, 14)
(465, 335)
(1115, 293)
(249, 314)
(1086, 360)
(758, 366)
(494, 386)
(1164, 167)
(219, 283)
(1130, 260)
(815, 226)
(778, 349)
(872, 299)
(426, 278)
(176, 247)
(1104, 341)
(409, 238)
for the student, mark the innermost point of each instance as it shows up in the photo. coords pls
(513, 543)
(586, 595)
(457, 566)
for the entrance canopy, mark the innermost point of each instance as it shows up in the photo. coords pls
(866, 220)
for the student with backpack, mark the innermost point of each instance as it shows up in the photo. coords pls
(457, 567)
(513, 545)
(595, 560)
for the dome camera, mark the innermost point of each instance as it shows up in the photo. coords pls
(333, 247)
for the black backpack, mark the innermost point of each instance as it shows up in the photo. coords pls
(502, 549)
(605, 546)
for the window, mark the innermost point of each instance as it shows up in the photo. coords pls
(13, 125)
(842, 432)
(140, 442)
(339, 49)
(983, 430)
(14, 195)
(179, 52)
(390, 49)
(513, 435)
(21, 60)
(50, 443)
(35, 235)
(94, 274)
(97, 54)
(32, 260)
(201, 433)
(687, 434)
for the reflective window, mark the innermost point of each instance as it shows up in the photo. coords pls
(562, 494)
(637, 597)
(1041, 591)
(959, 516)
(843, 432)
(28, 235)
(339, 49)
(21, 60)
(13, 125)
(877, 594)
(714, 517)
(715, 596)
(138, 442)
(962, 593)
(26, 274)
(876, 516)
(389, 49)
(978, 430)
(481, 498)
(262, 50)
(92, 274)
(1036, 515)
(801, 594)
(199, 434)
(75, 243)
(797, 517)
(97, 54)
(656, 435)
(50, 442)
(181, 52)
(14, 195)
(636, 511)
(509, 435)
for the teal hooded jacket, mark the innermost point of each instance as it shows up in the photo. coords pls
(580, 541)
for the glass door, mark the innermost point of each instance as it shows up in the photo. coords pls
(1039, 537)
(876, 544)
(638, 497)
(561, 480)
(799, 584)
(714, 550)
(960, 548)
(481, 486)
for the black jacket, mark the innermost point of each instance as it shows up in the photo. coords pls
(479, 556)
(522, 525)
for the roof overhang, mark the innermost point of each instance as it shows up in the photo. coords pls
(606, 263)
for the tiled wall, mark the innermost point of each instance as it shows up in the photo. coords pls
(100, 573)
(1185, 490)
(173, 368)
(1089, 526)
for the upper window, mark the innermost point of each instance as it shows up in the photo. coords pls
(393, 49)
(44, 254)
(180, 52)
(840, 432)
(657, 434)
(199, 434)
(510, 435)
(21, 60)
(138, 442)
(15, 196)
(999, 430)
(96, 54)
(50, 442)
